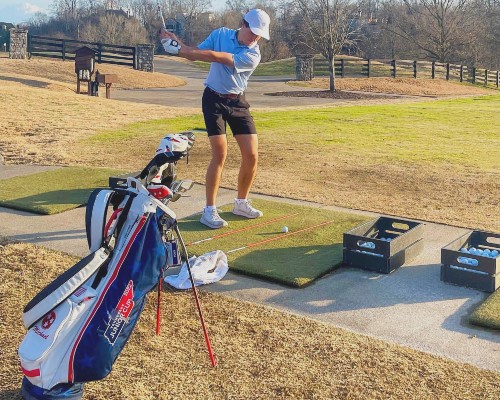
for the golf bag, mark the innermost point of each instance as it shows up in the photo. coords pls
(79, 323)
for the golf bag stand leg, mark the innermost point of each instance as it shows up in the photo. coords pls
(195, 294)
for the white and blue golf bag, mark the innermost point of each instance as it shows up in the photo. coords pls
(79, 324)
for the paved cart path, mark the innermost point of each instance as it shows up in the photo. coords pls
(411, 306)
(189, 95)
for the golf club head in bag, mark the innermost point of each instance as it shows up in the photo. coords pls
(173, 147)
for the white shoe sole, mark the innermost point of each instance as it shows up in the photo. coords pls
(206, 223)
(235, 212)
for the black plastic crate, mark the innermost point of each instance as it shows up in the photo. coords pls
(472, 270)
(365, 248)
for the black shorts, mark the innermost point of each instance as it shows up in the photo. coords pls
(218, 111)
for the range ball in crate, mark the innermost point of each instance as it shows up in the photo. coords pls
(472, 260)
(383, 244)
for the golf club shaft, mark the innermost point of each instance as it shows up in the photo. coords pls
(279, 237)
(195, 293)
(161, 15)
(158, 313)
(242, 229)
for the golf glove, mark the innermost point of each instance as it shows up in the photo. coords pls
(171, 46)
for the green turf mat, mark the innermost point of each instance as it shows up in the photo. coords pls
(488, 313)
(296, 259)
(52, 192)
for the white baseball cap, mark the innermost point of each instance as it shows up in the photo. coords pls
(258, 21)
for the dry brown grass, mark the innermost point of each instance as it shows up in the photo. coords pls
(43, 118)
(64, 72)
(400, 86)
(262, 353)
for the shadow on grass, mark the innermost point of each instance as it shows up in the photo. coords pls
(52, 202)
(192, 223)
(12, 394)
(296, 266)
(28, 82)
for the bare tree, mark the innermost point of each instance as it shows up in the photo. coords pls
(238, 5)
(439, 28)
(328, 26)
(191, 9)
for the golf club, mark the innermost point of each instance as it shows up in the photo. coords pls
(161, 15)
(278, 237)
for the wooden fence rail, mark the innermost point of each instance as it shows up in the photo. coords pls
(405, 69)
(65, 49)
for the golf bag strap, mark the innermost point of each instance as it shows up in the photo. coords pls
(123, 216)
(95, 216)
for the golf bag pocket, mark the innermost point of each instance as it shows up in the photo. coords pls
(63, 286)
(173, 255)
(44, 348)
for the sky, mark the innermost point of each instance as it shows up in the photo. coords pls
(19, 11)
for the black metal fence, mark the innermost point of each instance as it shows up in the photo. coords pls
(406, 68)
(65, 49)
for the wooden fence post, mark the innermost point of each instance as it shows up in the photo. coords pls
(433, 69)
(461, 73)
(99, 52)
(473, 74)
(369, 67)
(64, 50)
(498, 78)
(448, 71)
(415, 69)
(342, 68)
(393, 69)
(485, 77)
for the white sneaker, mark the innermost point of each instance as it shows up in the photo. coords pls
(245, 209)
(212, 219)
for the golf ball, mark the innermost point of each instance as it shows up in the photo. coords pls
(284, 229)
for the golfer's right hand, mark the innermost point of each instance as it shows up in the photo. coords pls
(164, 34)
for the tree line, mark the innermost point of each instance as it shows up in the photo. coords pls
(451, 31)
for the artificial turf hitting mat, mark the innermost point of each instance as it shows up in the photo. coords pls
(488, 313)
(311, 248)
(52, 192)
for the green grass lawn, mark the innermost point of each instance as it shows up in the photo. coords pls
(488, 313)
(53, 192)
(463, 132)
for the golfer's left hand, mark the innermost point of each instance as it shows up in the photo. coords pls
(171, 46)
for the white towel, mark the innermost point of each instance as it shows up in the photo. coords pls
(207, 268)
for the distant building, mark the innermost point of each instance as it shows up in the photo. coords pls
(118, 13)
(5, 35)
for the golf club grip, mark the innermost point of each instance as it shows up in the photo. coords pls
(195, 293)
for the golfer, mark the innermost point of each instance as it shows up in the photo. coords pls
(234, 55)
